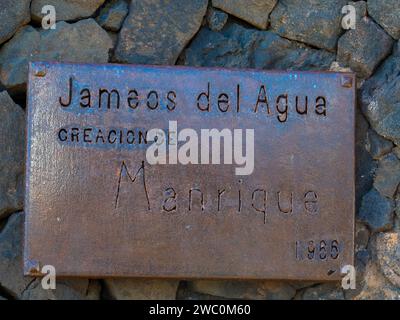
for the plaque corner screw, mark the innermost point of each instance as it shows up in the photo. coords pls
(40, 73)
(347, 81)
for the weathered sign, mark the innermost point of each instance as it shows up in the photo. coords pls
(189, 173)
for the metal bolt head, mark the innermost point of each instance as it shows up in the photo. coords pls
(347, 81)
(40, 73)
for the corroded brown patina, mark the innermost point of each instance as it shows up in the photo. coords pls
(95, 207)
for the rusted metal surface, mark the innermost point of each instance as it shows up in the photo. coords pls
(95, 206)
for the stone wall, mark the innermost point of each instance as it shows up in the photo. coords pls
(264, 34)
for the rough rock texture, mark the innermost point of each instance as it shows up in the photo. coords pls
(396, 151)
(216, 19)
(363, 48)
(244, 289)
(316, 22)
(387, 14)
(388, 256)
(83, 41)
(155, 32)
(66, 9)
(387, 175)
(381, 98)
(237, 46)
(11, 278)
(365, 165)
(20, 287)
(378, 146)
(326, 291)
(372, 285)
(13, 14)
(361, 9)
(387, 73)
(12, 155)
(376, 211)
(141, 289)
(113, 14)
(255, 12)
(66, 289)
(361, 236)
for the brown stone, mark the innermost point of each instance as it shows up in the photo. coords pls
(373, 286)
(388, 256)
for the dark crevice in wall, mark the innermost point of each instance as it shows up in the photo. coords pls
(5, 293)
(3, 223)
(104, 292)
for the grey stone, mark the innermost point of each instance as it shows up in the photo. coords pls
(244, 289)
(365, 165)
(388, 256)
(20, 287)
(187, 294)
(363, 256)
(363, 48)
(361, 9)
(362, 259)
(156, 31)
(114, 37)
(66, 289)
(112, 15)
(387, 73)
(396, 48)
(396, 151)
(237, 46)
(325, 291)
(376, 211)
(13, 14)
(216, 19)
(255, 12)
(142, 289)
(387, 176)
(380, 98)
(370, 281)
(11, 273)
(66, 9)
(12, 148)
(387, 14)
(298, 285)
(361, 236)
(212, 49)
(316, 22)
(378, 146)
(83, 41)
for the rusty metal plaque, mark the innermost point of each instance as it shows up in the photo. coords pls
(146, 171)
